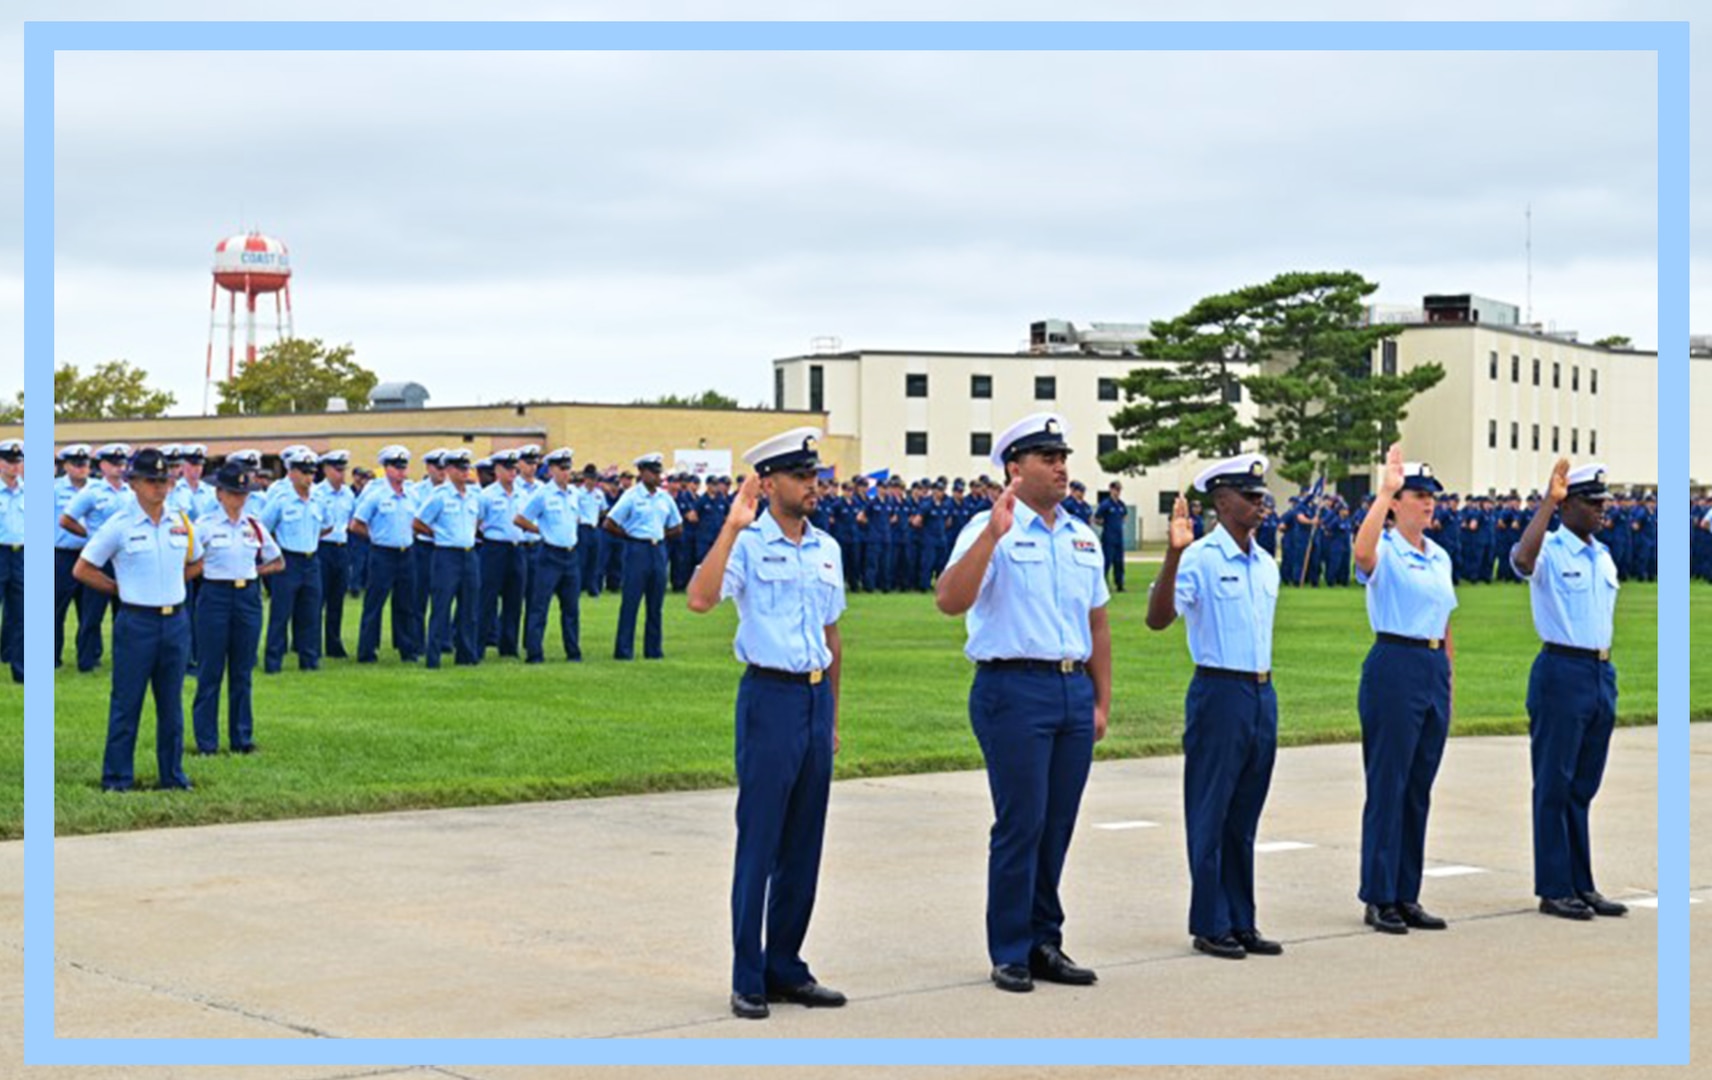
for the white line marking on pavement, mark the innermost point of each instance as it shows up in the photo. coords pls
(1116, 826)
(1280, 845)
(1652, 901)
(1452, 871)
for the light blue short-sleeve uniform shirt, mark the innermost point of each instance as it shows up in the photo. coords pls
(592, 505)
(644, 516)
(556, 512)
(97, 502)
(194, 501)
(233, 550)
(148, 558)
(452, 516)
(787, 595)
(64, 492)
(295, 522)
(12, 512)
(387, 514)
(499, 509)
(1039, 588)
(1227, 599)
(1574, 591)
(1409, 593)
(525, 490)
(337, 506)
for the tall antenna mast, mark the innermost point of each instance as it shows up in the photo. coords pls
(1528, 245)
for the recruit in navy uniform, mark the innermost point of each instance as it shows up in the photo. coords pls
(1225, 585)
(1030, 580)
(1572, 690)
(12, 555)
(787, 579)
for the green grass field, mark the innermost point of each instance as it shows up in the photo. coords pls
(387, 737)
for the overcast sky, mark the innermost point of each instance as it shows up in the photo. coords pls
(615, 226)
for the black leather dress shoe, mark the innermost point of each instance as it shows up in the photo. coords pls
(1013, 977)
(1417, 917)
(1252, 942)
(1048, 962)
(810, 994)
(1601, 906)
(1386, 919)
(1225, 948)
(1565, 907)
(750, 1006)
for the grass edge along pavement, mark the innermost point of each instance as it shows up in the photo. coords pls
(510, 733)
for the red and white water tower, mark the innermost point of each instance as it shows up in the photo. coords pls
(247, 265)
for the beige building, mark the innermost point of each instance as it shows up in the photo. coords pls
(602, 434)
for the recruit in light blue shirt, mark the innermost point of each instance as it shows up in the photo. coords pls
(387, 514)
(337, 506)
(593, 504)
(1409, 593)
(195, 501)
(97, 502)
(525, 490)
(64, 492)
(787, 595)
(644, 516)
(233, 550)
(499, 509)
(555, 511)
(1573, 589)
(1039, 588)
(452, 516)
(295, 522)
(1227, 600)
(148, 558)
(12, 512)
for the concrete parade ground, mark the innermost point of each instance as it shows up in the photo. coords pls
(609, 918)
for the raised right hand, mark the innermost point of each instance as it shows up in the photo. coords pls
(1182, 529)
(1559, 489)
(746, 505)
(1391, 477)
(1004, 512)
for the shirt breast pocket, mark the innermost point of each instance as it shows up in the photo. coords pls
(291, 513)
(138, 545)
(781, 585)
(1608, 571)
(219, 541)
(1574, 580)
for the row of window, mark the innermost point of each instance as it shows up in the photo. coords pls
(981, 443)
(1516, 438)
(981, 386)
(1556, 373)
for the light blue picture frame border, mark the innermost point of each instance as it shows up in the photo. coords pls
(1669, 41)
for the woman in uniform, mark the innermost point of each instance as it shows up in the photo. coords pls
(1405, 697)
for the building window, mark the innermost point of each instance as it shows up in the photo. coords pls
(816, 388)
(1557, 375)
(980, 386)
(1045, 387)
(1592, 380)
(915, 385)
(1108, 389)
(1515, 435)
(1515, 368)
(1233, 391)
(1554, 438)
(1108, 444)
(1592, 442)
(915, 443)
(778, 388)
(1536, 436)
(1493, 366)
(1536, 371)
(980, 444)
(1575, 379)
(1492, 434)
(1574, 441)
(1388, 358)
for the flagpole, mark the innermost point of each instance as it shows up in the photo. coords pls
(1308, 554)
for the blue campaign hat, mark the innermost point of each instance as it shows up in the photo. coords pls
(1245, 472)
(1036, 431)
(1588, 482)
(1418, 476)
(147, 464)
(786, 452)
(233, 477)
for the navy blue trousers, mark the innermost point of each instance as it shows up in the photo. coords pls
(91, 611)
(12, 608)
(1230, 739)
(68, 592)
(391, 572)
(589, 542)
(502, 569)
(1404, 702)
(784, 776)
(296, 600)
(558, 573)
(876, 567)
(335, 578)
(852, 550)
(457, 579)
(931, 555)
(228, 627)
(1572, 707)
(357, 570)
(644, 578)
(1036, 731)
(423, 576)
(612, 559)
(150, 651)
(1114, 554)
